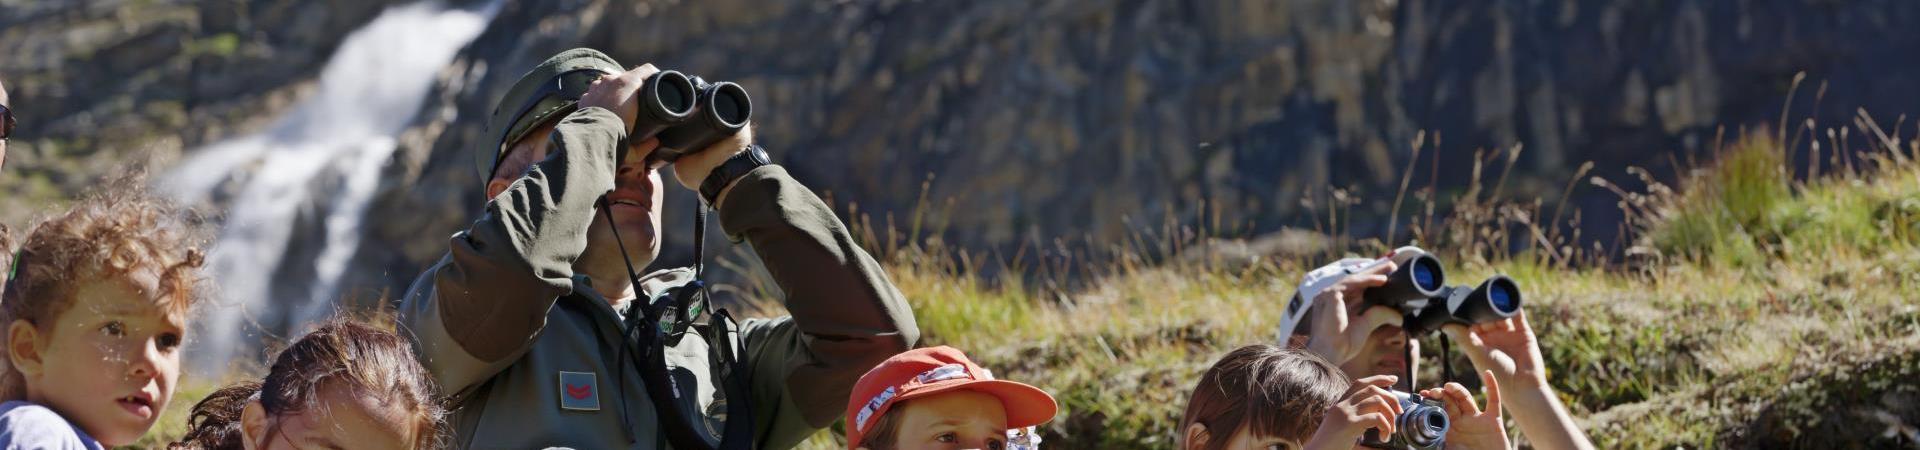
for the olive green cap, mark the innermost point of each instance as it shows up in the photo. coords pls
(541, 95)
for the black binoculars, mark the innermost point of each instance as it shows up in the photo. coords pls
(687, 113)
(1421, 425)
(1418, 289)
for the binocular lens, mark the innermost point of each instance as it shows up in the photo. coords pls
(1419, 279)
(1504, 298)
(666, 100)
(676, 96)
(730, 104)
(1426, 273)
(1497, 298)
(717, 110)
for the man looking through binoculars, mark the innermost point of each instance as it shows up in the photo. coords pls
(538, 328)
(1332, 317)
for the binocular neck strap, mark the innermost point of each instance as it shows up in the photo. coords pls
(1446, 357)
(680, 430)
(1407, 349)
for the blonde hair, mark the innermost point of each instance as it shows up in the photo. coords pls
(116, 232)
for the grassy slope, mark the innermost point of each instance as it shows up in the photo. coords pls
(1756, 312)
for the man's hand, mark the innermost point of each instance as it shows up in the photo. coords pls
(1368, 405)
(1507, 348)
(1472, 428)
(692, 169)
(1509, 351)
(615, 93)
(1338, 335)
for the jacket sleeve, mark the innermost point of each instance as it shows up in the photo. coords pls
(846, 315)
(480, 307)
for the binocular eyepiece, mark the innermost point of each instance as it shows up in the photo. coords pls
(1421, 425)
(1418, 289)
(688, 114)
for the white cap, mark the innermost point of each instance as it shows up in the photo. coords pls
(1324, 277)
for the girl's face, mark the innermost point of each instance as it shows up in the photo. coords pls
(339, 420)
(953, 420)
(109, 362)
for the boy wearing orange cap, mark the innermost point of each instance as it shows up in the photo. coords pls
(936, 398)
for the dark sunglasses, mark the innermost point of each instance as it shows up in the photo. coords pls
(6, 116)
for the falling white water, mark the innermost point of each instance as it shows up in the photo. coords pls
(324, 157)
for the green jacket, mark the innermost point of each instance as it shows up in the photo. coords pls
(503, 316)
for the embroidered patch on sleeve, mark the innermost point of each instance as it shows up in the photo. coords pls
(579, 391)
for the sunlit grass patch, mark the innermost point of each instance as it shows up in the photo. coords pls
(1759, 307)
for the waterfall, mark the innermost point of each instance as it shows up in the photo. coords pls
(323, 158)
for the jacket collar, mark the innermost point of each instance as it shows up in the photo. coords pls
(652, 286)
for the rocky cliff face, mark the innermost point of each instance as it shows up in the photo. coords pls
(1030, 120)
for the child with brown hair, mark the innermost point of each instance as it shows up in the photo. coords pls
(95, 315)
(345, 385)
(1267, 397)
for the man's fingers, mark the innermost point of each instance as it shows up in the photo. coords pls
(1446, 401)
(1364, 280)
(1376, 317)
(1457, 394)
(1477, 340)
(1454, 331)
(1330, 308)
(640, 151)
(1354, 285)
(1492, 387)
(1383, 269)
(1372, 319)
(1486, 327)
(1474, 346)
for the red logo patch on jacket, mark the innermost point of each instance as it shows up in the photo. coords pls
(578, 391)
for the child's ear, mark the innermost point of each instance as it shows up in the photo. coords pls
(253, 425)
(1196, 437)
(24, 347)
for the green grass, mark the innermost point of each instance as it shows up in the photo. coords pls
(1753, 311)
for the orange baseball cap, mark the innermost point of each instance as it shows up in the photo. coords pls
(931, 371)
